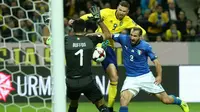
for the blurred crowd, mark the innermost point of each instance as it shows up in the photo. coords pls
(164, 20)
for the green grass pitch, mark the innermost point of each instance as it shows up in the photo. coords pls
(89, 107)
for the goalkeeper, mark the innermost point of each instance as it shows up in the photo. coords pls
(116, 20)
(78, 52)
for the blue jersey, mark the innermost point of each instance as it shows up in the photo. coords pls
(135, 58)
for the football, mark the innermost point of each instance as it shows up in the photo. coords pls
(99, 54)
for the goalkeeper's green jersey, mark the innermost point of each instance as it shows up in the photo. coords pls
(78, 52)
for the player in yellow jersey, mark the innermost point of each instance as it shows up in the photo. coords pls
(116, 20)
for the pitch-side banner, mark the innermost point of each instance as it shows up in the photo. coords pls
(39, 54)
(33, 83)
(189, 83)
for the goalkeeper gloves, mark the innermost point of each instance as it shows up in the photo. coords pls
(96, 16)
(105, 44)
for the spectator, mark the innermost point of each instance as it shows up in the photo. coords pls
(67, 28)
(173, 11)
(187, 30)
(81, 13)
(143, 22)
(173, 34)
(137, 15)
(149, 4)
(27, 4)
(158, 22)
(181, 23)
(159, 38)
(107, 5)
(13, 3)
(21, 14)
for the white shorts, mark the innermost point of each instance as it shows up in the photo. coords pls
(144, 82)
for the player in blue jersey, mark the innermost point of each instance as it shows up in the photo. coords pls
(138, 75)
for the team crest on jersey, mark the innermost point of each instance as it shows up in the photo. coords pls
(139, 52)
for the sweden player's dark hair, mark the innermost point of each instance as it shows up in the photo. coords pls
(124, 4)
(79, 26)
(138, 29)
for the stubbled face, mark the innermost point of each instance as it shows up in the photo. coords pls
(171, 5)
(134, 36)
(182, 15)
(160, 9)
(121, 12)
(173, 27)
(189, 24)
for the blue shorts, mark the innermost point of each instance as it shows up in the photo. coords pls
(110, 58)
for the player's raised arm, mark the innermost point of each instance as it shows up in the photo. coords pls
(96, 15)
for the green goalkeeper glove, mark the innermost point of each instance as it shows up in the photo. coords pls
(96, 15)
(105, 44)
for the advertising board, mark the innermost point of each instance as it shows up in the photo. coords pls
(189, 83)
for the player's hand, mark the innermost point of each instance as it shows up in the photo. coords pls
(70, 22)
(158, 80)
(96, 16)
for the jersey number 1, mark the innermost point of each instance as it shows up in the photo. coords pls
(80, 51)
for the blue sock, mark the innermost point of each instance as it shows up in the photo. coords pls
(176, 100)
(123, 109)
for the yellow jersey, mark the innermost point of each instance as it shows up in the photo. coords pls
(169, 35)
(153, 18)
(114, 25)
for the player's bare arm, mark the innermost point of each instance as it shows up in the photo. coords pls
(107, 34)
(158, 66)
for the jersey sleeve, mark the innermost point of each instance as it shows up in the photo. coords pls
(150, 53)
(85, 17)
(120, 38)
(96, 39)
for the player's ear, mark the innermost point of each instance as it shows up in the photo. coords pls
(127, 11)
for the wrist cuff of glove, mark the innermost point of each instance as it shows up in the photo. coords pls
(99, 21)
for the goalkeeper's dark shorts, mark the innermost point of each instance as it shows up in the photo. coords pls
(86, 85)
(110, 58)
